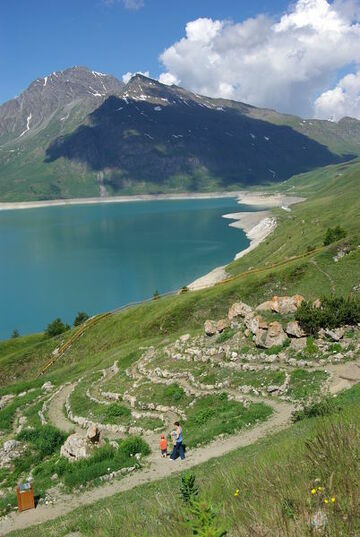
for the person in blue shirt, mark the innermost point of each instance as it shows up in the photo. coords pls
(178, 446)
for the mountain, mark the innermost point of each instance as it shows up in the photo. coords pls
(81, 133)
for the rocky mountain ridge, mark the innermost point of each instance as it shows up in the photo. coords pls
(83, 133)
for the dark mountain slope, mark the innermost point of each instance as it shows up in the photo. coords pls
(80, 133)
(137, 141)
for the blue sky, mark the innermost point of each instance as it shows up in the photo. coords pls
(41, 36)
(297, 56)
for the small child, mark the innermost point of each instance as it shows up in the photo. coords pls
(163, 446)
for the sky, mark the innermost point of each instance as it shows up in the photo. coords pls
(301, 57)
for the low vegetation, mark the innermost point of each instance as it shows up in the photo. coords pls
(331, 313)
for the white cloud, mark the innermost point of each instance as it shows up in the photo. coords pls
(133, 4)
(127, 76)
(343, 100)
(128, 4)
(283, 64)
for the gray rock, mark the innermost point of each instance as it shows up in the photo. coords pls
(275, 335)
(335, 334)
(10, 445)
(298, 344)
(210, 328)
(239, 309)
(75, 447)
(93, 434)
(294, 329)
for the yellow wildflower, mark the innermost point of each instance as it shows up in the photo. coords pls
(237, 492)
(313, 491)
(326, 500)
(333, 499)
(320, 488)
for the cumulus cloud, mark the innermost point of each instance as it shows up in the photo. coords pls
(127, 76)
(283, 64)
(341, 101)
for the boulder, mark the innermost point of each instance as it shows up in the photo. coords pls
(239, 309)
(298, 344)
(260, 338)
(265, 306)
(294, 329)
(75, 447)
(221, 325)
(254, 322)
(93, 434)
(335, 334)
(10, 445)
(286, 304)
(275, 335)
(210, 328)
(47, 386)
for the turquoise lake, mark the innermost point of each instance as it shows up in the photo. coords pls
(56, 261)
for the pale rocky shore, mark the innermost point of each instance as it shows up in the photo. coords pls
(257, 226)
(7, 206)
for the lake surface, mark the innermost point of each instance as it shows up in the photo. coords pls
(56, 261)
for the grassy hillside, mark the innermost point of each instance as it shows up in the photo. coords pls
(274, 479)
(275, 476)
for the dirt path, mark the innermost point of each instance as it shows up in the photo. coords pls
(332, 284)
(55, 412)
(342, 376)
(158, 469)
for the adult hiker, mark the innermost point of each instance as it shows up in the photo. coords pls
(178, 446)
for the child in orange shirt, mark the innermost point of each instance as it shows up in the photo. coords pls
(163, 446)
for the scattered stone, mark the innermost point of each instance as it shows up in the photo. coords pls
(184, 338)
(319, 521)
(294, 329)
(254, 323)
(10, 445)
(335, 334)
(260, 338)
(272, 389)
(239, 309)
(317, 303)
(221, 325)
(275, 335)
(210, 328)
(265, 306)
(93, 434)
(54, 477)
(75, 447)
(298, 344)
(47, 386)
(286, 304)
(6, 399)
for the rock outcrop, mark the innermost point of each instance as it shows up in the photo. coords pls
(282, 304)
(239, 309)
(210, 327)
(75, 447)
(294, 329)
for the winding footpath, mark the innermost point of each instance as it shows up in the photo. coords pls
(342, 376)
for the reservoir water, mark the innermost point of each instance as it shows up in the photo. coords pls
(56, 261)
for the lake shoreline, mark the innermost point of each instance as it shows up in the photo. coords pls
(19, 205)
(257, 225)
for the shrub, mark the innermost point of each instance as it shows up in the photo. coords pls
(80, 318)
(46, 439)
(321, 407)
(174, 393)
(156, 295)
(227, 333)
(116, 411)
(311, 348)
(334, 234)
(134, 444)
(56, 327)
(333, 312)
(15, 333)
